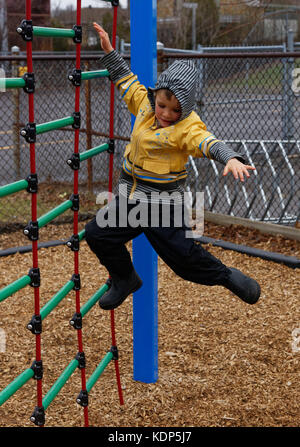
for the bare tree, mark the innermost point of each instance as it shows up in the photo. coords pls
(3, 26)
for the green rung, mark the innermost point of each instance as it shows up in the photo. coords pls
(52, 32)
(98, 371)
(81, 235)
(93, 300)
(94, 151)
(56, 299)
(11, 188)
(12, 83)
(86, 75)
(63, 378)
(15, 385)
(14, 287)
(52, 214)
(56, 124)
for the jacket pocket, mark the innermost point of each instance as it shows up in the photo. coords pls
(157, 166)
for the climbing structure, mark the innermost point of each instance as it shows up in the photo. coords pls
(34, 277)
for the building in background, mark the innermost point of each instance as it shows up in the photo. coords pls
(226, 22)
(103, 15)
(15, 10)
(180, 23)
(257, 21)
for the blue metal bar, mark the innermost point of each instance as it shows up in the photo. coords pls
(145, 307)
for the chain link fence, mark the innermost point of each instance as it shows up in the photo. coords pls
(248, 101)
(253, 104)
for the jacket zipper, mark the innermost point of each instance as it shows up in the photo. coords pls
(133, 162)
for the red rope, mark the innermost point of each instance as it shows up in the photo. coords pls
(75, 190)
(34, 207)
(75, 219)
(110, 182)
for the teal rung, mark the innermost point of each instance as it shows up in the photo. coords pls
(52, 214)
(15, 385)
(93, 300)
(56, 299)
(94, 151)
(14, 287)
(11, 188)
(98, 371)
(60, 382)
(86, 75)
(81, 235)
(53, 125)
(52, 32)
(12, 83)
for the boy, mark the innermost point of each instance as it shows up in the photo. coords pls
(166, 132)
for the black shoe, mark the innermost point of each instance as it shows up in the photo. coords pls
(243, 286)
(119, 290)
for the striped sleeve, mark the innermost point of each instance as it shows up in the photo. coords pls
(200, 143)
(221, 152)
(127, 83)
(211, 147)
(115, 65)
(205, 142)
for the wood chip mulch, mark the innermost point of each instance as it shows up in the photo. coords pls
(221, 362)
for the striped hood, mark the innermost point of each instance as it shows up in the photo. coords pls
(181, 79)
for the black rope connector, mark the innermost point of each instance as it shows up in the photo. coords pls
(80, 357)
(78, 33)
(29, 82)
(32, 230)
(32, 180)
(35, 276)
(75, 77)
(25, 29)
(111, 146)
(75, 202)
(115, 352)
(77, 120)
(76, 321)
(74, 243)
(37, 367)
(38, 416)
(29, 132)
(76, 280)
(83, 398)
(35, 324)
(74, 161)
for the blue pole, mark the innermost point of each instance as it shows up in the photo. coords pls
(145, 308)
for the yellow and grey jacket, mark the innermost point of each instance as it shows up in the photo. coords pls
(159, 155)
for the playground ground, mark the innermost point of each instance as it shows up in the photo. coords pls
(221, 362)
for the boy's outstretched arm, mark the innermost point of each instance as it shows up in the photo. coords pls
(238, 169)
(199, 142)
(132, 92)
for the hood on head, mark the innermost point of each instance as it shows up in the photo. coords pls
(181, 79)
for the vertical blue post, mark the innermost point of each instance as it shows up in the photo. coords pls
(145, 307)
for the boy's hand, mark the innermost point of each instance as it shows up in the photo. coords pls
(104, 39)
(238, 169)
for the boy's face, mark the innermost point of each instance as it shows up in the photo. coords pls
(167, 111)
